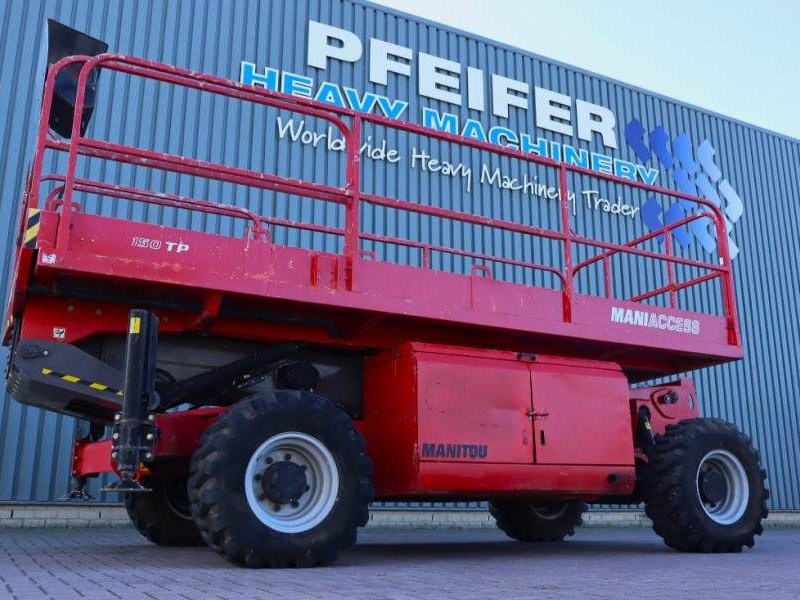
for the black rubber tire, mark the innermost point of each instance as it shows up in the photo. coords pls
(670, 491)
(526, 522)
(162, 515)
(216, 481)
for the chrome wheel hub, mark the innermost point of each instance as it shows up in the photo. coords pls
(722, 487)
(291, 482)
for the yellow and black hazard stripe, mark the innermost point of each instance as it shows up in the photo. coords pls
(100, 387)
(32, 227)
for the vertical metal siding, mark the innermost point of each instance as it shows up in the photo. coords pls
(214, 36)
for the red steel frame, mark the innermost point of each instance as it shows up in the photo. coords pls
(711, 348)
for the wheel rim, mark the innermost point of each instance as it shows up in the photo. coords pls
(291, 482)
(549, 512)
(722, 487)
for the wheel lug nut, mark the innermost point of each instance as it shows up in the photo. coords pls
(307, 487)
(287, 457)
(257, 477)
(277, 507)
(262, 497)
(269, 460)
(295, 504)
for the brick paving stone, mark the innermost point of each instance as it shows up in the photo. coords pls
(399, 565)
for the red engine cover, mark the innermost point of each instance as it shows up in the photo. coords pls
(442, 420)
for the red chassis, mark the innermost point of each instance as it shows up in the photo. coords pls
(509, 441)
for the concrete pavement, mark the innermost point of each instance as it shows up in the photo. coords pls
(440, 564)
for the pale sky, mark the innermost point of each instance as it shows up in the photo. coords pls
(740, 58)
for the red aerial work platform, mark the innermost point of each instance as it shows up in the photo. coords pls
(252, 385)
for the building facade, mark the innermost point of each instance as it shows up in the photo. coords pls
(359, 55)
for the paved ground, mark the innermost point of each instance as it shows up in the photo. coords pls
(596, 563)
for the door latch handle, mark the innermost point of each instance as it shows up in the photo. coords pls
(533, 414)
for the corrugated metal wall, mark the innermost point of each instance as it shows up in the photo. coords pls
(214, 37)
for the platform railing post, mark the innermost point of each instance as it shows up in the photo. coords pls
(566, 230)
(63, 234)
(728, 295)
(134, 431)
(353, 208)
(673, 296)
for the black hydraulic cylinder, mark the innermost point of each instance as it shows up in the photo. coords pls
(224, 378)
(134, 432)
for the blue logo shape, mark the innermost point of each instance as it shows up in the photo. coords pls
(693, 171)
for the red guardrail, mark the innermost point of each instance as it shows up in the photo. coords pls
(351, 196)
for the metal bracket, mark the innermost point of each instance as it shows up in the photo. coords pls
(78, 490)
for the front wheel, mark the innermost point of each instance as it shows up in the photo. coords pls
(527, 522)
(704, 487)
(281, 481)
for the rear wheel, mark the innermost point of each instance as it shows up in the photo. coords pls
(704, 487)
(281, 481)
(528, 522)
(162, 515)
